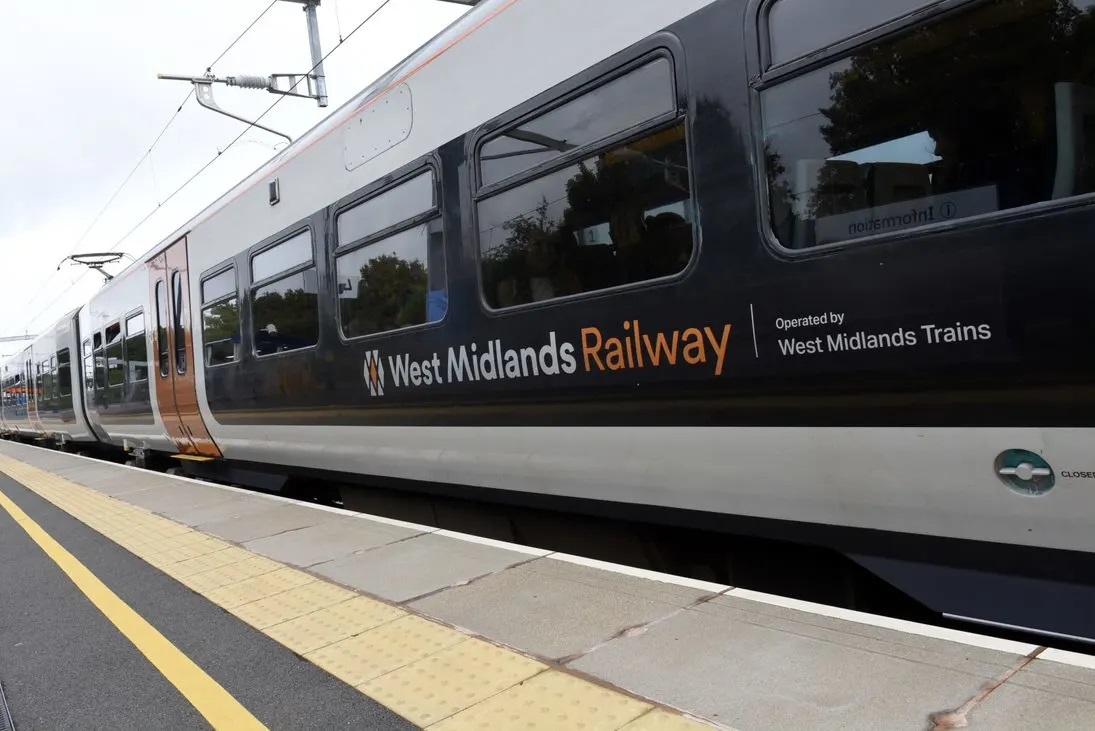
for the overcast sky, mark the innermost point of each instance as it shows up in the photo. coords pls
(82, 104)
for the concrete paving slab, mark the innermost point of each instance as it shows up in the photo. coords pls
(556, 609)
(750, 669)
(1043, 695)
(113, 484)
(73, 468)
(233, 506)
(275, 519)
(164, 500)
(120, 488)
(48, 460)
(336, 537)
(417, 566)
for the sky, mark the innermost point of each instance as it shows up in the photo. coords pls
(82, 104)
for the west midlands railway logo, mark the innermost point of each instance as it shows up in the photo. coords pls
(374, 373)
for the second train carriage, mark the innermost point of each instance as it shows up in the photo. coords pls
(812, 281)
(41, 389)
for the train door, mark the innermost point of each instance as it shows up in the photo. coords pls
(176, 388)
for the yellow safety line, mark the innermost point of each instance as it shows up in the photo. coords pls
(205, 694)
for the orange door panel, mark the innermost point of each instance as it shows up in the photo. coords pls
(173, 344)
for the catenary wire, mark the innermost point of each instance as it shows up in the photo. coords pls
(212, 160)
(147, 154)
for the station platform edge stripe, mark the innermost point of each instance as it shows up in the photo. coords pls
(434, 675)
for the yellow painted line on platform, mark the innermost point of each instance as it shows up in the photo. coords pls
(205, 694)
(435, 676)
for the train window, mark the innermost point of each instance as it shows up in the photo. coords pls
(617, 217)
(114, 356)
(221, 332)
(283, 257)
(113, 333)
(899, 135)
(162, 347)
(398, 280)
(178, 315)
(89, 368)
(219, 285)
(285, 313)
(393, 283)
(44, 392)
(101, 381)
(54, 386)
(136, 349)
(64, 373)
(621, 104)
(799, 27)
(220, 319)
(405, 201)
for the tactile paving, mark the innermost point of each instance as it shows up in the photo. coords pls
(214, 560)
(451, 680)
(258, 587)
(550, 701)
(291, 604)
(386, 648)
(435, 676)
(249, 567)
(332, 624)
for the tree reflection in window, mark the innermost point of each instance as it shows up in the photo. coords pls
(221, 332)
(386, 285)
(987, 109)
(136, 349)
(621, 217)
(285, 314)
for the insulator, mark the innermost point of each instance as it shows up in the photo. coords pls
(250, 82)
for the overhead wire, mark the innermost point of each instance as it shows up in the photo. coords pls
(147, 155)
(238, 137)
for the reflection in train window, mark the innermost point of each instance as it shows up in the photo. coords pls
(799, 27)
(618, 217)
(178, 314)
(221, 332)
(283, 257)
(64, 373)
(115, 356)
(221, 319)
(113, 333)
(162, 346)
(285, 313)
(44, 384)
(136, 349)
(900, 136)
(89, 368)
(219, 285)
(100, 363)
(393, 283)
(391, 207)
(632, 99)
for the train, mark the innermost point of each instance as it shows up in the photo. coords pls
(811, 271)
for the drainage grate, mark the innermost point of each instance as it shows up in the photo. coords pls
(6, 724)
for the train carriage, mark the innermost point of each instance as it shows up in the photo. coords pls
(41, 389)
(783, 267)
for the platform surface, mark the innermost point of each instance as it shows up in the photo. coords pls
(311, 617)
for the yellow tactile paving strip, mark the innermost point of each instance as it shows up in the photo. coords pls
(431, 674)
